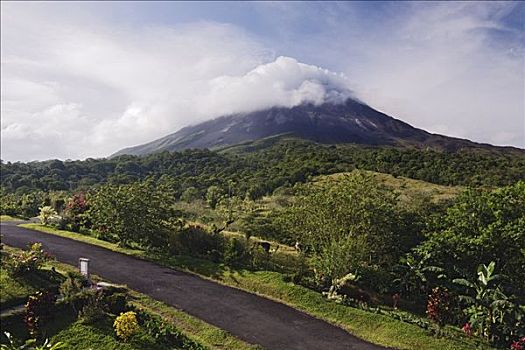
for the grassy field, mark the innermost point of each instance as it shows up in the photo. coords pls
(377, 328)
(408, 189)
(76, 334)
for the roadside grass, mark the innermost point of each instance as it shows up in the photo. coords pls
(370, 326)
(77, 334)
(6, 218)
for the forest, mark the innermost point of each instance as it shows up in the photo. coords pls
(453, 261)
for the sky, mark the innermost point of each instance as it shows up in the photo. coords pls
(85, 79)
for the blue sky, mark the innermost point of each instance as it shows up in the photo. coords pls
(84, 79)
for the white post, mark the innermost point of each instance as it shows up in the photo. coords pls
(84, 267)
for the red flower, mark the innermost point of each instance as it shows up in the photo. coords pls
(518, 344)
(467, 329)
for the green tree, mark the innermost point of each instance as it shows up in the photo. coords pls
(140, 212)
(190, 194)
(345, 222)
(214, 194)
(482, 226)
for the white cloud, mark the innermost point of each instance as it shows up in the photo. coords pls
(284, 82)
(76, 87)
(96, 91)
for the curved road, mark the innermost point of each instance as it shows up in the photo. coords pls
(252, 318)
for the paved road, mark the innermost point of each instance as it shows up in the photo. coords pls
(252, 318)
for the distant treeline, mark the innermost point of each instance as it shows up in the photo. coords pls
(258, 169)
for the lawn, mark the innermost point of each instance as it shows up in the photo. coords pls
(376, 328)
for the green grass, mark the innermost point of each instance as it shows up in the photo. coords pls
(407, 188)
(102, 336)
(376, 328)
(6, 218)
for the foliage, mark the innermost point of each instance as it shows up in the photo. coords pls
(345, 224)
(75, 211)
(28, 261)
(482, 226)
(414, 275)
(29, 344)
(72, 285)
(518, 344)
(195, 240)
(257, 170)
(438, 306)
(165, 332)
(126, 325)
(140, 212)
(491, 313)
(236, 253)
(93, 309)
(214, 195)
(47, 214)
(38, 308)
(337, 284)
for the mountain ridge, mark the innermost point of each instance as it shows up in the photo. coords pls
(351, 122)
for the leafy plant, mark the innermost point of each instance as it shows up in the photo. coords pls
(337, 284)
(414, 275)
(47, 214)
(94, 308)
(30, 260)
(438, 306)
(29, 344)
(39, 308)
(492, 314)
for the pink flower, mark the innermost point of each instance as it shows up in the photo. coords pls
(467, 329)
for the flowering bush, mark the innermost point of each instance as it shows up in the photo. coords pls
(126, 325)
(38, 309)
(438, 306)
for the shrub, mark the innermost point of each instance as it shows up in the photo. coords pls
(13, 344)
(47, 215)
(195, 240)
(126, 325)
(518, 344)
(93, 310)
(116, 303)
(72, 285)
(29, 261)
(235, 252)
(39, 308)
(438, 306)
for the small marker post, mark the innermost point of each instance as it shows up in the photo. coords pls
(84, 267)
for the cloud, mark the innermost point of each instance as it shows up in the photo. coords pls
(75, 84)
(96, 91)
(284, 82)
